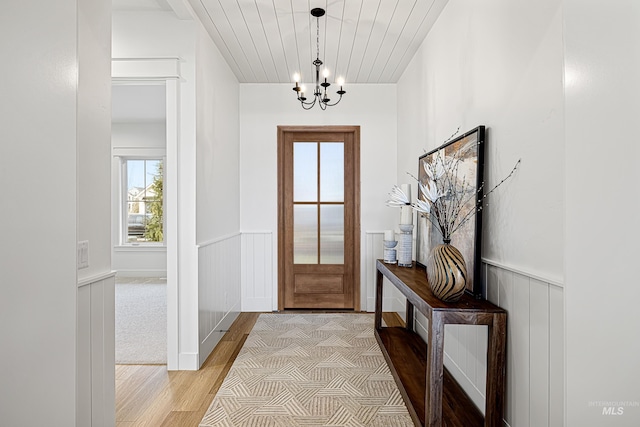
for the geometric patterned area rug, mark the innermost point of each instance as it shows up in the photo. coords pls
(309, 370)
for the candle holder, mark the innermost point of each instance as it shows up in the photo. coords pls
(405, 246)
(390, 256)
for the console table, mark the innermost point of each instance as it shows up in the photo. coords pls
(418, 369)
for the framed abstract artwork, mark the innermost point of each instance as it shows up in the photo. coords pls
(467, 152)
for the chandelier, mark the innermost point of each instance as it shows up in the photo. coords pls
(320, 95)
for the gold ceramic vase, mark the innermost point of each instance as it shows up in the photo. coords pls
(446, 272)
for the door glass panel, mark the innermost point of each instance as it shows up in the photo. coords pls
(305, 234)
(331, 171)
(332, 234)
(305, 171)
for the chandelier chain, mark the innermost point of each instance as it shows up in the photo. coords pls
(318, 38)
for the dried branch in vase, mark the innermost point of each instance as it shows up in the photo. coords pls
(446, 194)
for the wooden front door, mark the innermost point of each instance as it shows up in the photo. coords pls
(319, 211)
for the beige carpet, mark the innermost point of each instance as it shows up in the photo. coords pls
(309, 370)
(141, 321)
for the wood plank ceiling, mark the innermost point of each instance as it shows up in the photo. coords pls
(362, 41)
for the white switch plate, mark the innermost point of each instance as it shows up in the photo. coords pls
(83, 254)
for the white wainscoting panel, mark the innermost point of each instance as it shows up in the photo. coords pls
(535, 348)
(517, 408)
(96, 352)
(259, 282)
(556, 356)
(259, 273)
(392, 299)
(219, 266)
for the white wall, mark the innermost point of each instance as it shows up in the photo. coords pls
(140, 261)
(218, 147)
(95, 341)
(145, 135)
(207, 165)
(480, 65)
(500, 64)
(94, 134)
(38, 261)
(264, 107)
(602, 64)
(55, 127)
(161, 35)
(217, 194)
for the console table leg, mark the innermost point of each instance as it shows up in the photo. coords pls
(409, 317)
(378, 313)
(435, 372)
(496, 353)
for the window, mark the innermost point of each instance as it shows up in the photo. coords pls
(143, 219)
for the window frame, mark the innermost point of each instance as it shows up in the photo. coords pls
(124, 202)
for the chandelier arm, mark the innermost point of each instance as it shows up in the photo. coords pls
(335, 103)
(308, 105)
(304, 102)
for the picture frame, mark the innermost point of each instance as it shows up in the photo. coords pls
(469, 148)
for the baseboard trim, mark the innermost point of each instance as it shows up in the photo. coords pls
(214, 337)
(257, 304)
(388, 304)
(188, 362)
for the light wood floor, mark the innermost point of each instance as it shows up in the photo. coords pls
(150, 396)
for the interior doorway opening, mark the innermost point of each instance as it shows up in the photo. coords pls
(139, 142)
(149, 104)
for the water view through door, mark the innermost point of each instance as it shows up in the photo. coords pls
(318, 217)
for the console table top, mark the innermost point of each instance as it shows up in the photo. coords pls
(415, 284)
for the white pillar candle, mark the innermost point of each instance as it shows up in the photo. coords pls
(406, 215)
(389, 235)
(406, 189)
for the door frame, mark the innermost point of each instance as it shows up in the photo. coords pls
(355, 131)
(153, 71)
